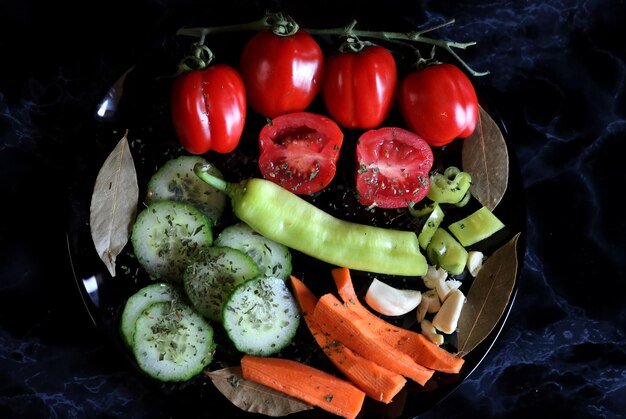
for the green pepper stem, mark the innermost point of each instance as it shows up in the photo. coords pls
(232, 190)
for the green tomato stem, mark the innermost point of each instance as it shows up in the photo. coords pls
(284, 26)
(280, 24)
(257, 25)
(413, 36)
(199, 58)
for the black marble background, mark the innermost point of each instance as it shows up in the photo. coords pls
(558, 74)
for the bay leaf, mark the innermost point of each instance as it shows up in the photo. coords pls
(485, 156)
(253, 397)
(114, 204)
(488, 297)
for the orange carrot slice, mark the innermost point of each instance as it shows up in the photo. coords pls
(306, 383)
(414, 344)
(351, 330)
(377, 382)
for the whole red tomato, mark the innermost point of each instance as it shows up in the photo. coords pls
(393, 167)
(299, 151)
(282, 74)
(439, 103)
(359, 88)
(208, 109)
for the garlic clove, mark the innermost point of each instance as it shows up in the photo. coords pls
(447, 318)
(430, 304)
(444, 287)
(475, 261)
(430, 332)
(434, 276)
(391, 301)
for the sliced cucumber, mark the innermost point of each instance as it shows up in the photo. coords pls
(172, 341)
(166, 234)
(139, 301)
(212, 275)
(273, 259)
(261, 316)
(176, 181)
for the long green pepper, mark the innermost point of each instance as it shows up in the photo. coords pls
(284, 217)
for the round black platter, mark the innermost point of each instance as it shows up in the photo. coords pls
(138, 102)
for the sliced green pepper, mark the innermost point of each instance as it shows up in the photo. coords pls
(449, 187)
(476, 227)
(288, 219)
(446, 252)
(422, 210)
(432, 223)
(465, 199)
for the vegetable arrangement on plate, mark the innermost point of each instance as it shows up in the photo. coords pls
(220, 252)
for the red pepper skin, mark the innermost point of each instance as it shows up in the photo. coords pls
(359, 88)
(208, 109)
(282, 74)
(439, 103)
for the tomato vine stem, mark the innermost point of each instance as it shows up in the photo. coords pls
(200, 57)
(284, 25)
(201, 32)
(413, 36)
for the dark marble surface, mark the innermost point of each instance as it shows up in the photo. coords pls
(558, 76)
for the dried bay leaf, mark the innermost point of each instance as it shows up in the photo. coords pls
(114, 204)
(488, 297)
(253, 397)
(485, 156)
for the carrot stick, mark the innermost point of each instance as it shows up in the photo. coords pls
(414, 344)
(354, 332)
(377, 382)
(306, 383)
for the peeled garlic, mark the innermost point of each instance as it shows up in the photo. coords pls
(430, 332)
(434, 276)
(447, 318)
(444, 287)
(474, 262)
(430, 304)
(391, 301)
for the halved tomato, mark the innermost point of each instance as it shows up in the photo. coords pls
(299, 151)
(393, 166)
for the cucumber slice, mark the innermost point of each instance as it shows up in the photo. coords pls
(212, 275)
(166, 234)
(272, 258)
(139, 301)
(261, 316)
(176, 181)
(172, 341)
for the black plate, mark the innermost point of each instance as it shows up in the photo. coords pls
(139, 103)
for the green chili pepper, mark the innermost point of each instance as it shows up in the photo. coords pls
(476, 227)
(430, 225)
(450, 187)
(465, 199)
(286, 218)
(423, 210)
(446, 252)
